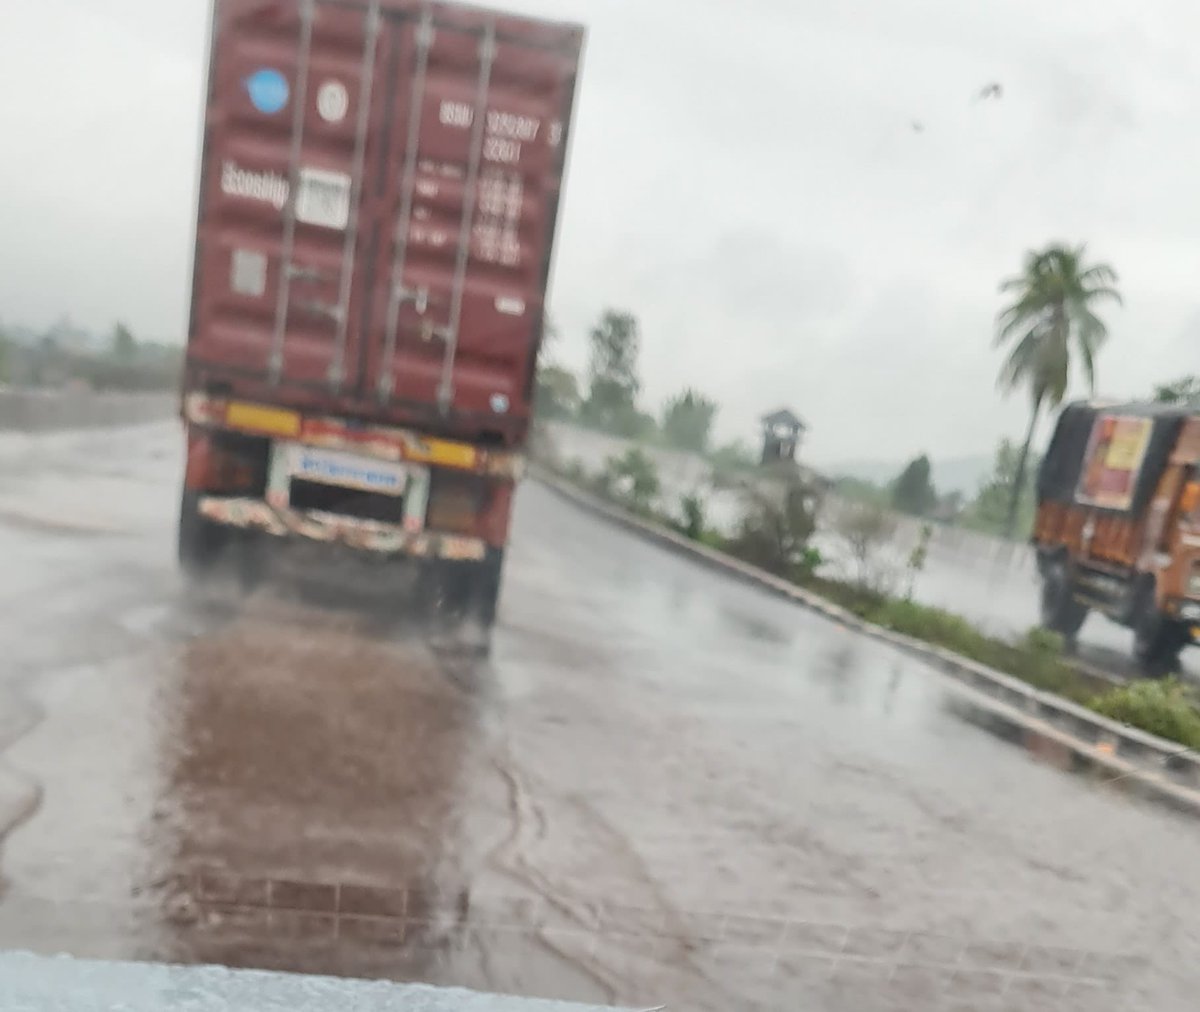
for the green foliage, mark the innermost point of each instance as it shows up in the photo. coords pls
(988, 511)
(1185, 390)
(613, 382)
(633, 477)
(808, 563)
(692, 509)
(1052, 315)
(913, 491)
(556, 393)
(777, 526)
(1052, 312)
(917, 558)
(1166, 708)
(866, 530)
(687, 421)
(639, 425)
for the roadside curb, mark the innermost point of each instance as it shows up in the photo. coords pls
(1053, 729)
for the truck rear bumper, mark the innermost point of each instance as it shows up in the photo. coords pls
(331, 528)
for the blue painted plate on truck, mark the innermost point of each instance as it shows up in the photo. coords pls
(346, 470)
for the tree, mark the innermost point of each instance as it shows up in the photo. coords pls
(775, 531)
(556, 392)
(687, 421)
(613, 383)
(124, 346)
(913, 491)
(1185, 390)
(1051, 316)
(988, 512)
(866, 530)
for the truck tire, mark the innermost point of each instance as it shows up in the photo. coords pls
(200, 540)
(1157, 643)
(486, 593)
(1060, 611)
(460, 599)
(457, 591)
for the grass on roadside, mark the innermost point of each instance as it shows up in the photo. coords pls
(1166, 708)
(1037, 658)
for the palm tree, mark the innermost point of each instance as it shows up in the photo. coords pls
(1050, 316)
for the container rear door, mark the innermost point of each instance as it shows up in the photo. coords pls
(469, 214)
(292, 121)
(378, 199)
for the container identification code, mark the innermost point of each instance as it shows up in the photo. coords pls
(323, 198)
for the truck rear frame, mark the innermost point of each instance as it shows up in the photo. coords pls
(1135, 555)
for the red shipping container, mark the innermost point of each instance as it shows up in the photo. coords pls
(379, 193)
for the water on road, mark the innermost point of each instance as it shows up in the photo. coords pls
(662, 787)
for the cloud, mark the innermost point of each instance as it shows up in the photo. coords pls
(744, 177)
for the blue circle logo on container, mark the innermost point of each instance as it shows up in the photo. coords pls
(268, 90)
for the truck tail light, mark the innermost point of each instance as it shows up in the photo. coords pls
(1189, 500)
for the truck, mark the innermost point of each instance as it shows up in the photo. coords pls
(1117, 528)
(379, 190)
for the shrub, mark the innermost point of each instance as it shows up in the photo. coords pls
(692, 509)
(633, 475)
(866, 530)
(809, 562)
(1166, 708)
(776, 528)
(917, 558)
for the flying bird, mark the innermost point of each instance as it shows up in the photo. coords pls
(993, 90)
(918, 127)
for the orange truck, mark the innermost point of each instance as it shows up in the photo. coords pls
(1118, 526)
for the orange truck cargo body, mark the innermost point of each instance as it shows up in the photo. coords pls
(379, 193)
(1118, 524)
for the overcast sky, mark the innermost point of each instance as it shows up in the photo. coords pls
(746, 178)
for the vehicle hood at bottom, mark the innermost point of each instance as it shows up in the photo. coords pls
(64, 984)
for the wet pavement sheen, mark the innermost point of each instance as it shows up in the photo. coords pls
(661, 788)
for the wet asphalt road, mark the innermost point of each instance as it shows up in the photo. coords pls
(662, 788)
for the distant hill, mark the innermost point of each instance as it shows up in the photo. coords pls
(953, 474)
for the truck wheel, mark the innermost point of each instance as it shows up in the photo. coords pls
(1060, 612)
(200, 540)
(460, 598)
(1157, 642)
(486, 590)
(457, 591)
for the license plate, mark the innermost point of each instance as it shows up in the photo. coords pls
(331, 467)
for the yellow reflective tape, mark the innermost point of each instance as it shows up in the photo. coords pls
(441, 451)
(277, 421)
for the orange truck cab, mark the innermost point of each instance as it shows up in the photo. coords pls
(1118, 526)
